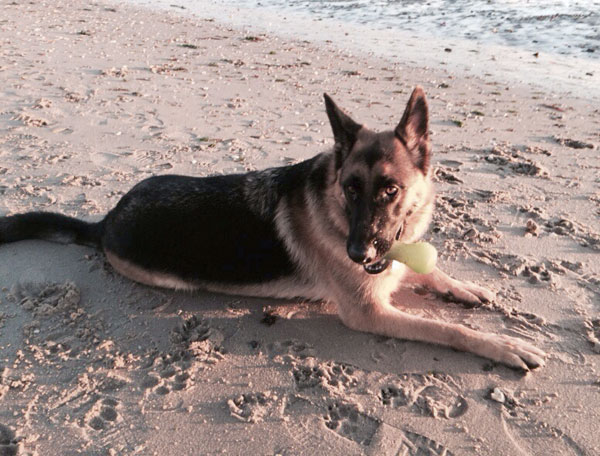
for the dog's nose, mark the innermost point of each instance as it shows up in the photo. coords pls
(361, 253)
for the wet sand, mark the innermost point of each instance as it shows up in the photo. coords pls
(95, 98)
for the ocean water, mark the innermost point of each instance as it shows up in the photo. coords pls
(554, 26)
(549, 44)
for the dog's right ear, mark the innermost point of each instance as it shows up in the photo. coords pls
(344, 130)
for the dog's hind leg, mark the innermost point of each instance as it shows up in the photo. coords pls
(387, 320)
(467, 293)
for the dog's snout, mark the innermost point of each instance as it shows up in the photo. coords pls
(362, 254)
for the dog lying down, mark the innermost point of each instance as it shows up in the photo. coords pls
(319, 229)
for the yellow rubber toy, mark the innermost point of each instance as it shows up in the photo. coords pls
(421, 257)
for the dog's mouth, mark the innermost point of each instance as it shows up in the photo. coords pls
(377, 267)
(400, 230)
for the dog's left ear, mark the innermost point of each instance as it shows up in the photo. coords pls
(413, 129)
(344, 130)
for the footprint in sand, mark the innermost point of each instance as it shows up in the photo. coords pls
(593, 333)
(510, 159)
(330, 375)
(349, 422)
(419, 445)
(8, 443)
(102, 414)
(289, 350)
(169, 373)
(47, 299)
(193, 342)
(163, 385)
(253, 407)
(526, 431)
(561, 226)
(455, 219)
(430, 395)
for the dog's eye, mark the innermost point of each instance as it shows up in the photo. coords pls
(351, 192)
(391, 190)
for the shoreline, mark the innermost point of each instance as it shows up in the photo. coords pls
(562, 75)
(99, 97)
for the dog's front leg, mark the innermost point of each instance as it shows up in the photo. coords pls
(389, 321)
(468, 293)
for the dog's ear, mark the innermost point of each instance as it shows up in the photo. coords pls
(413, 129)
(344, 130)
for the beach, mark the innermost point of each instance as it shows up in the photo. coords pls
(96, 97)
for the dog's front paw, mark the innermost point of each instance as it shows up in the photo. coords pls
(467, 293)
(513, 352)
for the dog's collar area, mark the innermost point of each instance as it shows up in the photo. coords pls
(377, 267)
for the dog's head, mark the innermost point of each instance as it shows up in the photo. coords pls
(384, 181)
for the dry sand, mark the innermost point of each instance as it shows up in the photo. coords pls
(95, 98)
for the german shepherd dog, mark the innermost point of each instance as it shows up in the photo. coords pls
(318, 229)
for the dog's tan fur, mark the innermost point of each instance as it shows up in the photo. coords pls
(314, 227)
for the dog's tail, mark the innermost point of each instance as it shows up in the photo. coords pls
(50, 227)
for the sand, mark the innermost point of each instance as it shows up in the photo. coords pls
(96, 97)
